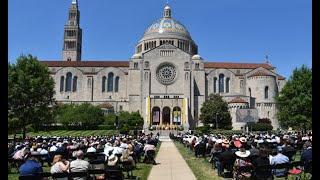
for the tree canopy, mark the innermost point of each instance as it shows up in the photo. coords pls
(216, 107)
(295, 100)
(83, 116)
(30, 93)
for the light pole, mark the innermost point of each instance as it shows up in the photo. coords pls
(217, 121)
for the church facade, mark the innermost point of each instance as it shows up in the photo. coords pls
(166, 80)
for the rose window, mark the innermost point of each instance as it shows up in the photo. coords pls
(166, 73)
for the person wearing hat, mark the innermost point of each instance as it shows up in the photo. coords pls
(112, 162)
(227, 157)
(244, 143)
(242, 160)
(31, 166)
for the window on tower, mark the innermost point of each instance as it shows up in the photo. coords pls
(221, 83)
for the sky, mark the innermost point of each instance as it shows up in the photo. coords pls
(224, 30)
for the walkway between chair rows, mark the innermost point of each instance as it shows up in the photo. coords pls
(172, 165)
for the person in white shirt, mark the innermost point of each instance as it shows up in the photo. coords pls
(91, 149)
(79, 165)
(53, 147)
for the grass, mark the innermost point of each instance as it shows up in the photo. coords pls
(69, 133)
(142, 170)
(200, 167)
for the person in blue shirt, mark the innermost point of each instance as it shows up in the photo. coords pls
(31, 166)
(306, 157)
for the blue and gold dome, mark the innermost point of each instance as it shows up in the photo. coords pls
(166, 27)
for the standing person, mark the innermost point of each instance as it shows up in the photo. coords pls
(59, 166)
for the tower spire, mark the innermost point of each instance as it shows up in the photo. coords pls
(72, 42)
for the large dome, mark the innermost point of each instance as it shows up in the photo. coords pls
(165, 27)
(166, 30)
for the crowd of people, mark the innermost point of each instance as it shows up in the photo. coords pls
(259, 155)
(79, 154)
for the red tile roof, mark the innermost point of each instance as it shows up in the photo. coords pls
(86, 63)
(228, 65)
(260, 73)
(237, 100)
(281, 77)
(106, 105)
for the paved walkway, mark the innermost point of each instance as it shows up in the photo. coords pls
(172, 165)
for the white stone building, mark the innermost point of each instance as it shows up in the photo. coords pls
(166, 80)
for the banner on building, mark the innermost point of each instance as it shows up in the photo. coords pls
(247, 115)
(156, 116)
(176, 116)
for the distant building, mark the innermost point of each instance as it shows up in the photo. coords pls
(166, 80)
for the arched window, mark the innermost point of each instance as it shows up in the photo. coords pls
(221, 83)
(227, 84)
(116, 86)
(61, 83)
(74, 84)
(110, 82)
(266, 89)
(250, 92)
(104, 84)
(215, 85)
(68, 81)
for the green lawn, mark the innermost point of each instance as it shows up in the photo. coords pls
(200, 167)
(69, 133)
(142, 170)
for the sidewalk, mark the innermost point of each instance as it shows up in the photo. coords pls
(172, 166)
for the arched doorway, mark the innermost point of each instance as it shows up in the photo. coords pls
(176, 116)
(166, 116)
(155, 116)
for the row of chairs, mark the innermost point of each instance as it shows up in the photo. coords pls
(265, 171)
(109, 174)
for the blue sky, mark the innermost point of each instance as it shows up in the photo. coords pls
(224, 30)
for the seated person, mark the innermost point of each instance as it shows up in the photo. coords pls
(306, 157)
(126, 157)
(31, 166)
(242, 160)
(113, 162)
(59, 166)
(262, 160)
(79, 165)
(278, 158)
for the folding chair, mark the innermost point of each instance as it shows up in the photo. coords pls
(284, 168)
(262, 172)
(128, 167)
(114, 174)
(60, 175)
(82, 174)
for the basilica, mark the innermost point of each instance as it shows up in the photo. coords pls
(166, 80)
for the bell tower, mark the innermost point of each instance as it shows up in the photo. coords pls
(72, 40)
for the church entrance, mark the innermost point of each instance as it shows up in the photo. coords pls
(166, 116)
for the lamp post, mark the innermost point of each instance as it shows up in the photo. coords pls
(217, 120)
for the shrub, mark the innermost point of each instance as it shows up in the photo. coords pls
(261, 127)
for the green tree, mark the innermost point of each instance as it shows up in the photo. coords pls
(216, 109)
(83, 116)
(30, 94)
(295, 100)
